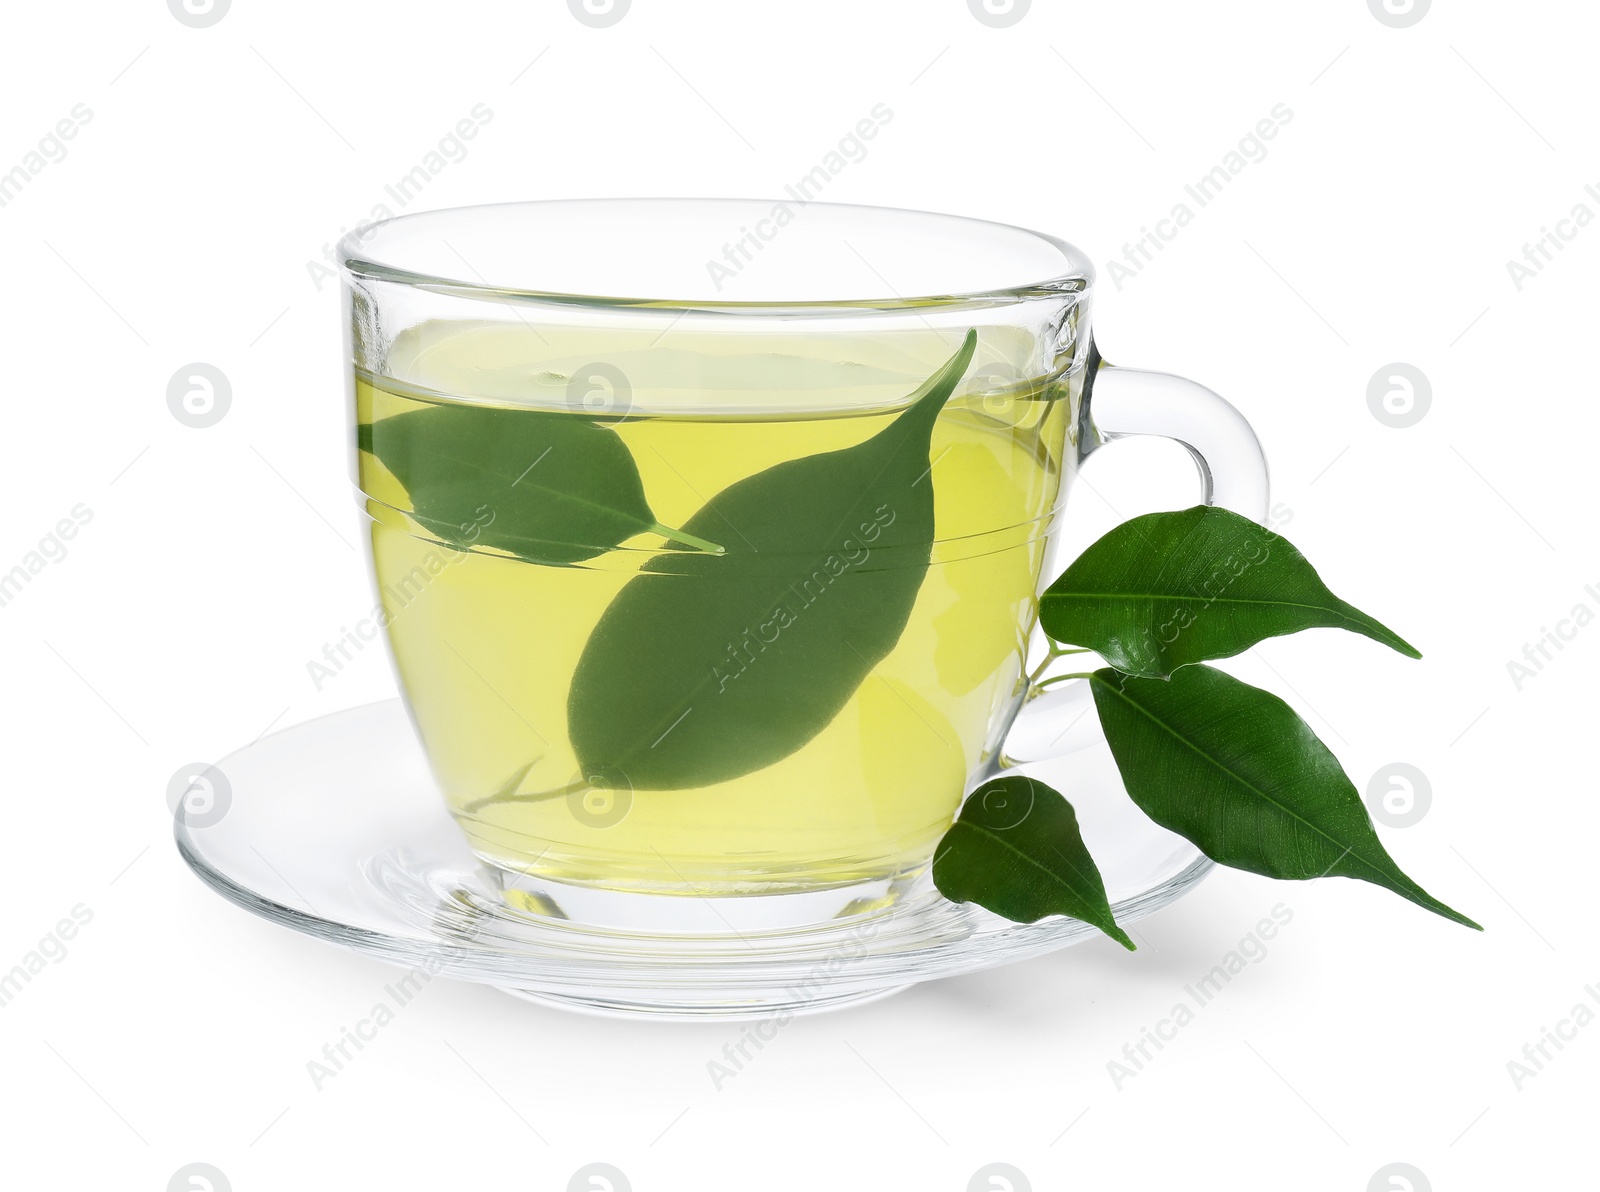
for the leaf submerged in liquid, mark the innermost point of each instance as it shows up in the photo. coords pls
(706, 668)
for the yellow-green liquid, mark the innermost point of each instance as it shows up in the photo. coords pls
(486, 644)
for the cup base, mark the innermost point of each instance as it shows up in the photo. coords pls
(694, 913)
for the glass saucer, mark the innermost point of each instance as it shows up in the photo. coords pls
(334, 827)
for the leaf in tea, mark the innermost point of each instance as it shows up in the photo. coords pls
(547, 487)
(1168, 589)
(1016, 850)
(1233, 769)
(705, 668)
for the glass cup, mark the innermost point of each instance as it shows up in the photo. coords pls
(709, 534)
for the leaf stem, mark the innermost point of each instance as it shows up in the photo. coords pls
(1054, 679)
(687, 539)
(1044, 663)
(509, 795)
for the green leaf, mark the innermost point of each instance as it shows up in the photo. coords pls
(547, 487)
(1232, 768)
(1016, 850)
(1168, 589)
(707, 668)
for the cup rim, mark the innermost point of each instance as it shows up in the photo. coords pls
(359, 263)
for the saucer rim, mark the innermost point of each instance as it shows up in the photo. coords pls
(548, 981)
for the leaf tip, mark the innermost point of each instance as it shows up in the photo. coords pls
(1388, 637)
(1429, 902)
(956, 367)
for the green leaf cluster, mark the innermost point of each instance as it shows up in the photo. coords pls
(1223, 764)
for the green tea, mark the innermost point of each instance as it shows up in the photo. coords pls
(488, 641)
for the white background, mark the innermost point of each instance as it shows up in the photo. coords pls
(178, 228)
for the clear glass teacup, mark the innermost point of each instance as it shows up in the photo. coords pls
(709, 534)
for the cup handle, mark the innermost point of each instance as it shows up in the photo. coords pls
(1119, 403)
